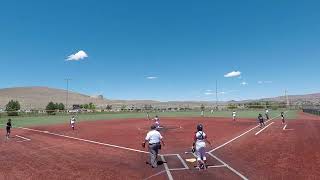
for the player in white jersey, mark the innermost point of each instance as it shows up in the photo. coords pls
(199, 146)
(234, 114)
(72, 122)
(156, 121)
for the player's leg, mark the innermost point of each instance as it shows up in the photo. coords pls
(153, 155)
(203, 156)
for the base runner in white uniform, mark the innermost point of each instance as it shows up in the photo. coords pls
(72, 122)
(199, 146)
(234, 114)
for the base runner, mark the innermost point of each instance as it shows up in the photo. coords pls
(8, 128)
(72, 122)
(261, 120)
(234, 114)
(282, 117)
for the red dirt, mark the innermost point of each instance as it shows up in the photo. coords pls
(273, 154)
(279, 154)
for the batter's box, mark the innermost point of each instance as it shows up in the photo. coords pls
(175, 162)
(211, 162)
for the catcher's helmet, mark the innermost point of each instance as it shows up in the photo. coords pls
(199, 127)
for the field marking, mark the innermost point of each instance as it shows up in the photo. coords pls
(237, 137)
(85, 140)
(24, 138)
(183, 162)
(229, 167)
(154, 175)
(285, 128)
(263, 129)
(166, 168)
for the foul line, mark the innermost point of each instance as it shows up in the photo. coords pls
(264, 128)
(284, 128)
(24, 138)
(154, 175)
(85, 140)
(235, 138)
(167, 168)
(226, 165)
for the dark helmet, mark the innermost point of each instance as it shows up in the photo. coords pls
(260, 115)
(153, 127)
(199, 127)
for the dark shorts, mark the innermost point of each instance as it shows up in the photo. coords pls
(8, 130)
(261, 121)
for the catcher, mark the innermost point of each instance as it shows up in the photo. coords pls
(199, 147)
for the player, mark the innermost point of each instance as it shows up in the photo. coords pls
(72, 122)
(157, 121)
(267, 114)
(202, 113)
(282, 118)
(148, 116)
(199, 147)
(261, 120)
(234, 114)
(8, 128)
(211, 111)
(154, 140)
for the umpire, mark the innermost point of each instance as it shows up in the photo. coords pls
(154, 140)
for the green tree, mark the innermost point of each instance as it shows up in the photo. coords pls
(202, 107)
(109, 107)
(92, 106)
(12, 108)
(61, 106)
(50, 108)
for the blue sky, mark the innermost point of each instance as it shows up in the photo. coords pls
(187, 45)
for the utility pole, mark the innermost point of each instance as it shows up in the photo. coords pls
(217, 94)
(287, 98)
(67, 97)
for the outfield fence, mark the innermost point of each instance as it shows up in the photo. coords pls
(312, 110)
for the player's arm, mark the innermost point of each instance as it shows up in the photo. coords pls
(161, 139)
(206, 139)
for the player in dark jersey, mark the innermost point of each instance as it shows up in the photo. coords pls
(8, 128)
(261, 120)
(282, 117)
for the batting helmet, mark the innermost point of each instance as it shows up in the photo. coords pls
(199, 127)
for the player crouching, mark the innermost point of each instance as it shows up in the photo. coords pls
(72, 122)
(199, 147)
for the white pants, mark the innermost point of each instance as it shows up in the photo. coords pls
(201, 152)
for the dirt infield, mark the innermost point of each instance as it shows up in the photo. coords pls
(112, 150)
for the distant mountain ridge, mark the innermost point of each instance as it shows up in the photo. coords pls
(37, 97)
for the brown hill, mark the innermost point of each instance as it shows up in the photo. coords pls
(38, 97)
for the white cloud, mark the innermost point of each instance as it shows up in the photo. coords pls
(233, 74)
(152, 77)
(208, 93)
(209, 90)
(244, 83)
(77, 56)
(260, 82)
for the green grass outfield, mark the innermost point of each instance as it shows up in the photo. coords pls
(57, 119)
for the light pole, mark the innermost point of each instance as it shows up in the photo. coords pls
(67, 97)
